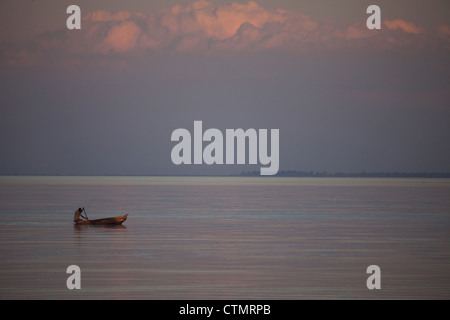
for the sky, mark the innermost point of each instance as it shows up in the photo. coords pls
(105, 99)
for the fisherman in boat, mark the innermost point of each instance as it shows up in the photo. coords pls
(78, 215)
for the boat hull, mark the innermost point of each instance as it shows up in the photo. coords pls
(106, 221)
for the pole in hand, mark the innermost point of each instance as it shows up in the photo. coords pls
(86, 213)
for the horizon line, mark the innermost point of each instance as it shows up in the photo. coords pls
(281, 173)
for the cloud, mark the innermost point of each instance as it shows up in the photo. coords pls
(226, 21)
(206, 27)
(406, 26)
(104, 16)
(443, 30)
(121, 38)
(21, 57)
(355, 31)
(222, 25)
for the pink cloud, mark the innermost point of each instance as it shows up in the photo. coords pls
(22, 58)
(443, 30)
(206, 27)
(121, 38)
(406, 26)
(103, 16)
(355, 31)
(228, 19)
(220, 22)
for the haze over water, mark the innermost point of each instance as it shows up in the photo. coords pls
(225, 237)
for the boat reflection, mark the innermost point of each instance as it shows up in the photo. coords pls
(82, 227)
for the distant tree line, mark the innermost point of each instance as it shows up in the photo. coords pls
(363, 174)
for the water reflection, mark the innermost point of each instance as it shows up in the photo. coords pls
(85, 227)
(231, 238)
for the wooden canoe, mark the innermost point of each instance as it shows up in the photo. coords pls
(106, 221)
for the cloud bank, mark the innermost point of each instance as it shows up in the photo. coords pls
(204, 27)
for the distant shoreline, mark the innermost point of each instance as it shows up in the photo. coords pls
(363, 174)
(256, 173)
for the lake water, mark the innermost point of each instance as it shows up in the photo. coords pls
(225, 237)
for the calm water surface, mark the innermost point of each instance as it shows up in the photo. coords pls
(225, 238)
